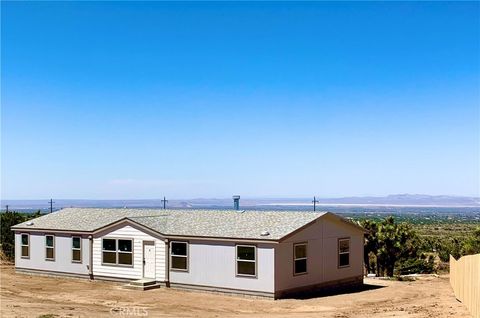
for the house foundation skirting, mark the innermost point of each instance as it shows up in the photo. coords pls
(222, 290)
(330, 286)
(49, 273)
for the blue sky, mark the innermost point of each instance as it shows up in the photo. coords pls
(120, 100)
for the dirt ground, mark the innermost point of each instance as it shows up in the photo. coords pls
(25, 295)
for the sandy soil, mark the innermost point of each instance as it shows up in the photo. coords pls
(33, 296)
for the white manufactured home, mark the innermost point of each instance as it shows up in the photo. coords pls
(274, 254)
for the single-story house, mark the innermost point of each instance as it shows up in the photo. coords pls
(264, 253)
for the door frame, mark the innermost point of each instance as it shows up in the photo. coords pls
(149, 242)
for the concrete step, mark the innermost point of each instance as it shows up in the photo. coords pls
(139, 287)
(142, 284)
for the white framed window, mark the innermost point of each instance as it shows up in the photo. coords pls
(25, 245)
(76, 249)
(125, 252)
(117, 252)
(179, 256)
(300, 258)
(50, 247)
(246, 260)
(343, 252)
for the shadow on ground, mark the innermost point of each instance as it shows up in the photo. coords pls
(333, 292)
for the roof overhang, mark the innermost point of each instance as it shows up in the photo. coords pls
(29, 229)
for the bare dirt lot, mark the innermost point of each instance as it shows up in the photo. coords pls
(37, 296)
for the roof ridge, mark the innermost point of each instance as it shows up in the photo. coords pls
(147, 216)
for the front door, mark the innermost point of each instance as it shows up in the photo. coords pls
(149, 259)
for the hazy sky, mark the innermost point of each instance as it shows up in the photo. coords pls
(140, 100)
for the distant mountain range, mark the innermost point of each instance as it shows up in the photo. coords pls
(417, 200)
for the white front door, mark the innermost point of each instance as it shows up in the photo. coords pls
(149, 259)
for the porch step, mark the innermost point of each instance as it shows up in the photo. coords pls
(142, 284)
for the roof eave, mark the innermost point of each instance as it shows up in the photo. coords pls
(223, 239)
(29, 229)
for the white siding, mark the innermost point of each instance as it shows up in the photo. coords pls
(213, 264)
(322, 262)
(135, 272)
(160, 256)
(63, 254)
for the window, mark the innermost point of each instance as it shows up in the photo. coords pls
(300, 258)
(117, 252)
(246, 260)
(179, 256)
(343, 252)
(109, 254)
(49, 247)
(76, 249)
(125, 255)
(25, 246)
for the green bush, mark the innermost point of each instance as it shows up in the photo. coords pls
(472, 243)
(414, 266)
(7, 236)
(448, 246)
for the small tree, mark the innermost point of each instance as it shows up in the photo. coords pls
(396, 241)
(7, 237)
(472, 244)
(389, 246)
(371, 243)
(448, 246)
(389, 243)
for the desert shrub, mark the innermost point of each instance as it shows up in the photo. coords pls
(413, 266)
(448, 246)
(427, 244)
(471, 245)
(7, 236)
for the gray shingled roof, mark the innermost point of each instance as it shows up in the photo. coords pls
(196, 223)
(84, 219)
(228, 224)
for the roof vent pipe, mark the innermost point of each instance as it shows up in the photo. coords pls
(236, 202)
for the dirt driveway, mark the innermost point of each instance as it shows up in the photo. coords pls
(36, 296)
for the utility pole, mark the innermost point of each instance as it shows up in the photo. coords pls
(315, 201)
(164, 203)
(51, 205)
(6, 207)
